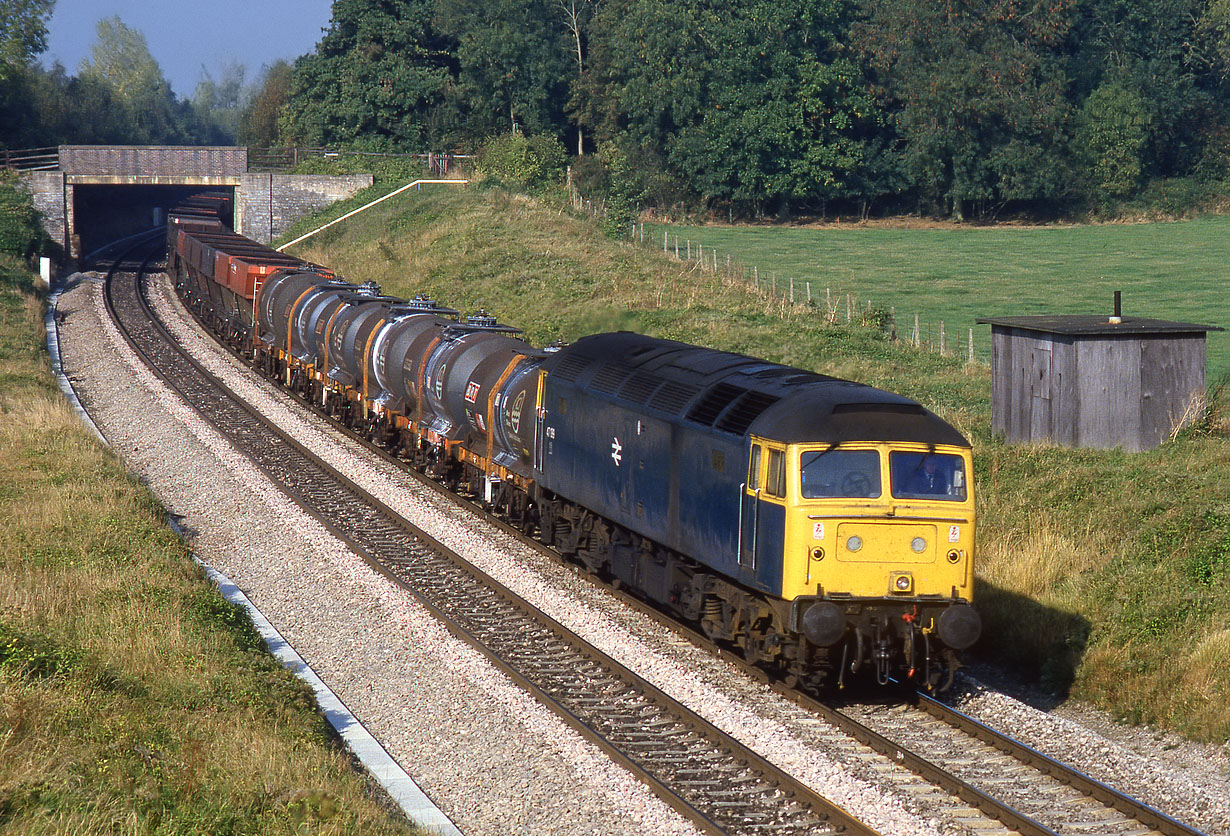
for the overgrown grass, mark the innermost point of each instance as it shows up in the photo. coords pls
(957, 274)
(1101, 573)
(133, 698)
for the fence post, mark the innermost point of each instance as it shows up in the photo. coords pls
(666, 239)
(756, 275)
(943, 352)
(916, 339)
(809, 293)
(792, 290)
(676, 247)
(689, 249)
(971, 345)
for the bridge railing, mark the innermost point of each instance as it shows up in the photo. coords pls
(30, 159)
(259, 159)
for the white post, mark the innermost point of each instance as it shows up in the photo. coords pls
(44, 271)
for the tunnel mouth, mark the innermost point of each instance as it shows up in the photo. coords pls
(104, 213)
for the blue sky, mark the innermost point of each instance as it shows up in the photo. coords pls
(183, 39)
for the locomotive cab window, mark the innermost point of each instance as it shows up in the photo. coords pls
(833, 473)
(753, 469)
(775, 483)
(928, 476)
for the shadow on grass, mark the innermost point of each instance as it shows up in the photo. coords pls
(1029, 642)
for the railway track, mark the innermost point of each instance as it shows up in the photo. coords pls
(709, 777)
(1004, 780)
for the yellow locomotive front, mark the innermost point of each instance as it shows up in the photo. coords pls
(878, 551)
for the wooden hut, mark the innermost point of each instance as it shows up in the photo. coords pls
(1095, 381)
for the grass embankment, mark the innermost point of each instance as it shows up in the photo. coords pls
(133, 697)
(957, 274)
(1102, 574)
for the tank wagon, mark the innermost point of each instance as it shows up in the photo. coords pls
(822, 527)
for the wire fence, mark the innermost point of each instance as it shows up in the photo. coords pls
(284, 159)
(833, 307)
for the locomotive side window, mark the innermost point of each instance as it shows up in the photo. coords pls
(775, 485)
(840, 473)
(928, 476)
(753, 469)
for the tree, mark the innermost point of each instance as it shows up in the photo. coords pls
(977, 90)
(23, 31)
(1113, 127)
(375, 79)
(576, 15)
(23, 36)
(1148, 47)
(258, 124)
(512, 69)
(221, 103)
(121, 59)
(755, 102)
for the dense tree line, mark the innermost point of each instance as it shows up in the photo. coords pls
(951, 107)
(959, 107)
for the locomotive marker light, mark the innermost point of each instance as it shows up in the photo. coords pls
(903, 581)
(919, 545)
(854, 543)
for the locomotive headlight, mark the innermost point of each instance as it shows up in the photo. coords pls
(902, 582)
(817, 553)
(954, 556)
(854, 543)
(919, 545)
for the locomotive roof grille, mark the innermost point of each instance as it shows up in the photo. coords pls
(609, 377)
(708, 408)
(640, 387)
(744, 411)
(673, 397)
(571, 366)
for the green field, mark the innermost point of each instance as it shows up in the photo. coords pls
(1165, 270)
